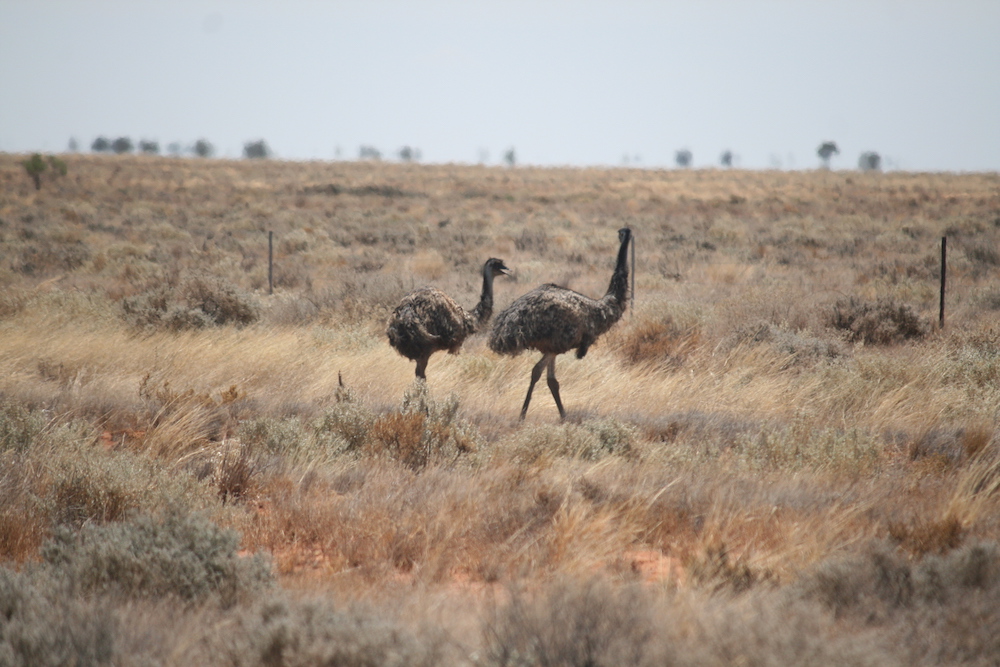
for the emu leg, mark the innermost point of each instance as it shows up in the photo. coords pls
(536, 373)
(554, 386)
(422, 367)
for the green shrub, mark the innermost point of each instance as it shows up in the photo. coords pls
(274, 436)
(198, 303)
(882, 581)
(280, 631)
(35, 165)
(801, 445)
(221, 301)
(147, 309)
(83, 483)
(46, 255)
(288, 441)
(881, 323)
(941, 610)
(537, 441)
(345, 426)
(988, 298)
(614, 438)
(592, 440)
(19, 427)
(801, 348)
(40, 627)
(183, 556)
(426, 431)
(984, 254)
(577, 623)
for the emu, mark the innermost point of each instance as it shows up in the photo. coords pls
(554, 320)
(428, 320)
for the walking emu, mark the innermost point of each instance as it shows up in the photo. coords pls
(428, 320)
(553, 320)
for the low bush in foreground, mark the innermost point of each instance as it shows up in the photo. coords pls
(282, 631)
(944, 608)
(71, 609)
(180, 555)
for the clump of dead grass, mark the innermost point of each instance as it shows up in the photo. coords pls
(659, 341)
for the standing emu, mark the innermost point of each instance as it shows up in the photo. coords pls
(553, 320)
(428, 320)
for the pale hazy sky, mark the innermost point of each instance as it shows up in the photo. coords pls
(577, 83)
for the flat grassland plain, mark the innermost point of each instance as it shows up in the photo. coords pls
(777, 457)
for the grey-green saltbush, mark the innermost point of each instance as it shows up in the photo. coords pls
(183, 556)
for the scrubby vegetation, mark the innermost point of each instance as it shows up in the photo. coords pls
(776, 457)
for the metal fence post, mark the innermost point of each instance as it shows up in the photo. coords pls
(270, 262)
(944, 271)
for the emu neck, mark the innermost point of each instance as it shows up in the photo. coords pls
(484, 309)
(618, 289)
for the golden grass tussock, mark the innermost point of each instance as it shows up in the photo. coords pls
(768, 446)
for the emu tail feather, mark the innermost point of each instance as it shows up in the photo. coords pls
(410, 338)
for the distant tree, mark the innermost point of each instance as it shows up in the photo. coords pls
(510, 157)
(35, 165)
(174, 148)
(122, 145)
(204, 148)
(870, 161)
(73, 145)
(366, 152)
(827, 150)
(683, 158)
(149, 147)
(256, 149)
(408, 154)
(101, 145)
(726, 159)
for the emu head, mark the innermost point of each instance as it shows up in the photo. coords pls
(496, 267)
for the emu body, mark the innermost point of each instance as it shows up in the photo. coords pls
(554, 320)
(427, 320)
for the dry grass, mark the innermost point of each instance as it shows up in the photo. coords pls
(777, 400)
